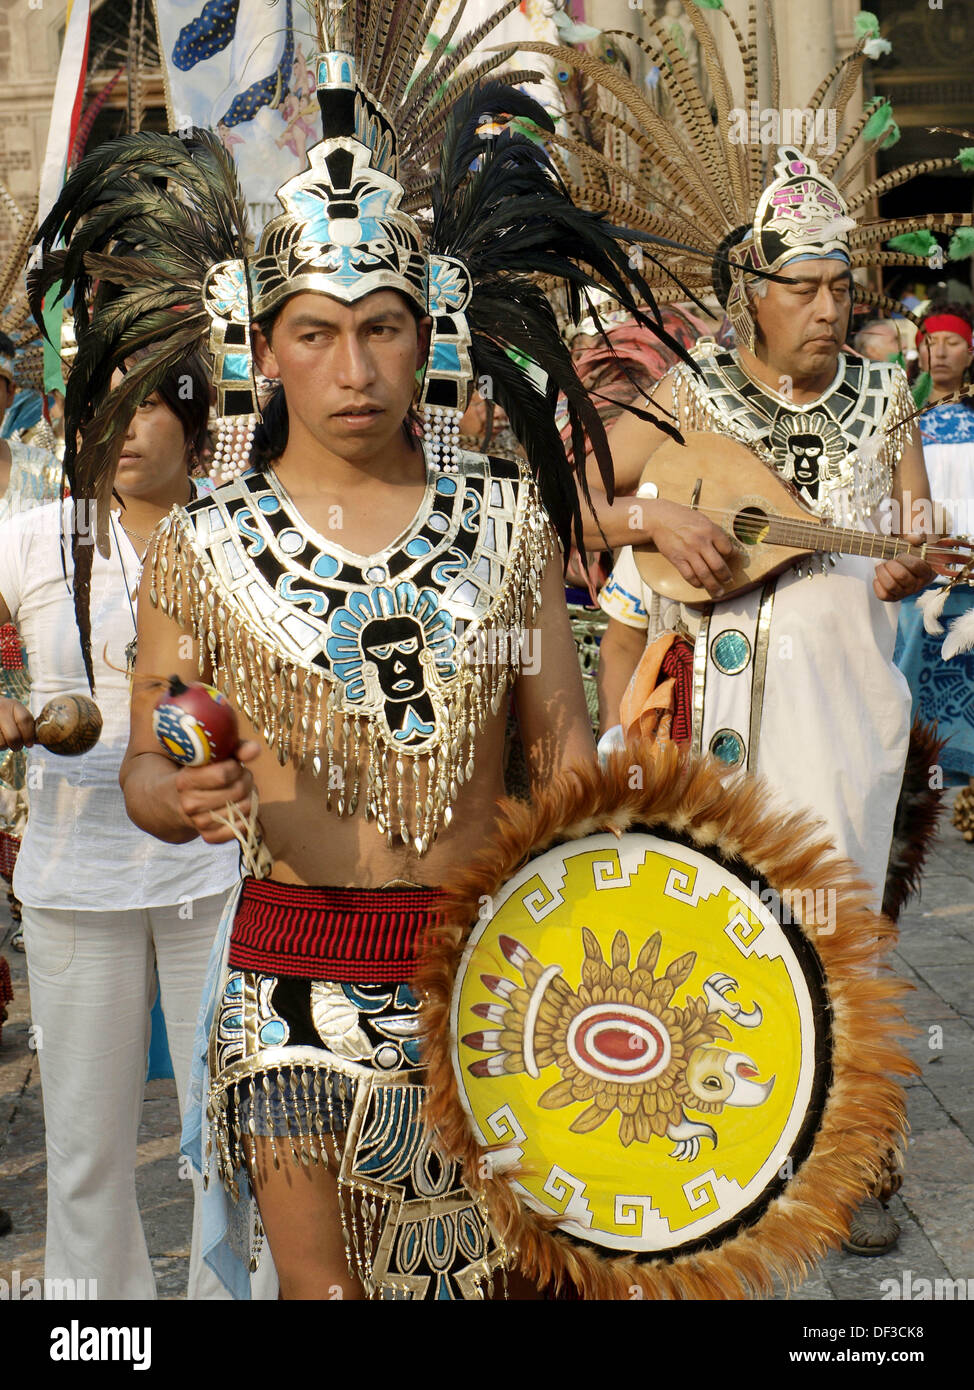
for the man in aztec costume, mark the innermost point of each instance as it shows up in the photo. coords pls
(793, 679)
(359, 596)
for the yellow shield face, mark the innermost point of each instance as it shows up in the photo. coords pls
(640, 1040)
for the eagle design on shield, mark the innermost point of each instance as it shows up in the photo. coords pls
(621, 1042)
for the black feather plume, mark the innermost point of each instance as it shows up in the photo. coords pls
(134, 232)
(500, 206)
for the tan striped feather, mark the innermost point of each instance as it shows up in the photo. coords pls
(642, 204)
(878, 300)
(717, 220)
(850, 83)
(845, 145)
(685, 92)
(862, 259)
(675, 159)
(773, 47)
(874, 233)
(448, 67)
(733, 154)
(832, 76)
(896, 177)
(424, 75)
(408, 51)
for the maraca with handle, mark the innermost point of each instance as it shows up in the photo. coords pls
(68, 725)
(197, 725)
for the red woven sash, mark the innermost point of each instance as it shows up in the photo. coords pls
(344, 934)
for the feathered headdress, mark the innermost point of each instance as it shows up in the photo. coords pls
(159, 224)
(26, 367)
(715, 178)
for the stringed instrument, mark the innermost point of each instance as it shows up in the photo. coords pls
(769, 523)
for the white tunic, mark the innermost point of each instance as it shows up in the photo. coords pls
(80, 850)
(833, 726)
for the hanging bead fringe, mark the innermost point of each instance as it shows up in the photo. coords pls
(234, 440)
(299, 712)
(441, 435)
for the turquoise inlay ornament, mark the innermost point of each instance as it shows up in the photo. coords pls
(445, 357)
(226, 298)
(728, 747)
(236, 366)
(273, 1033)
(325, 566)
(375, 246)
(730, 652)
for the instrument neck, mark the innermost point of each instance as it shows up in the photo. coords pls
(840, 540)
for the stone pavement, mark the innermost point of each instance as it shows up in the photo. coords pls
(935, 1207)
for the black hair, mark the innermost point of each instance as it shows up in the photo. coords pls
(185, 389)
(270, 436)
(7, 348)
(949, 306)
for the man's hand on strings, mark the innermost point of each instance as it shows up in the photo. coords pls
(692, 544)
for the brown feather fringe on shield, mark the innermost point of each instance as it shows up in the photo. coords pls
(864, 1115)
(918, 814)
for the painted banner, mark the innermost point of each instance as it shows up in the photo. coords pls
(244, 69)
(65, 115)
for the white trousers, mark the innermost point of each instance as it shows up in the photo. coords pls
(92, 978)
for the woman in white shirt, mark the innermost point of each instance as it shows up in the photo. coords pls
(103, 903)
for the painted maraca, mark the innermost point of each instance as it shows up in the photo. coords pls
(195, 724)
(69, 725)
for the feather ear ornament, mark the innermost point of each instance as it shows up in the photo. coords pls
(960, 636)
(931, 605)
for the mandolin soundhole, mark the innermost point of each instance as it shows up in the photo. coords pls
(751, 525)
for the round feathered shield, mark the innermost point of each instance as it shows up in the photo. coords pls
(659, 1034)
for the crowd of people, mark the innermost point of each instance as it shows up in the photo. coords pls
(321, 587)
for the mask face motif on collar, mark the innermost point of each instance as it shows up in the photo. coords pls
(801, 215)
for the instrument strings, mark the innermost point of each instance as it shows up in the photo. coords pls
(790, 531)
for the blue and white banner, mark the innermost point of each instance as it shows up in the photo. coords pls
(244, 69)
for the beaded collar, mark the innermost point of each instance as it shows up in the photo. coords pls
(838, 450)
(358, 667)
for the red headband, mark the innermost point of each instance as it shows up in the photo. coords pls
(946, 323)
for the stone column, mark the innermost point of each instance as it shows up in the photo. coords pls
(806, 46)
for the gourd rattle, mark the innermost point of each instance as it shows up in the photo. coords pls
(68, 725)
(197, 725)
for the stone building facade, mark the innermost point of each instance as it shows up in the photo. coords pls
(928, 76)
